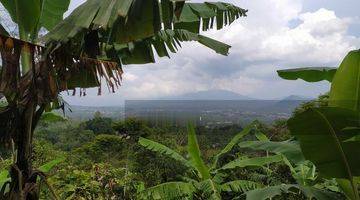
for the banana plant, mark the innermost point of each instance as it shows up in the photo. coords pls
(84, 50)
(334, 130)
(303, 171)
(336, 127)
(208, 181)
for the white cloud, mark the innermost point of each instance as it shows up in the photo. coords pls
(261, 43)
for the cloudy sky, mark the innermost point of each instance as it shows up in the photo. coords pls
(277, 34)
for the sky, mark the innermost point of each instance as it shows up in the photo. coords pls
(277, 34)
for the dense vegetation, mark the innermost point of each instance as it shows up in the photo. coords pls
(313, 155)
(106, 159)
(82, 51)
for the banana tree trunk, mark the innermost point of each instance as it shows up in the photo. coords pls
(23, 179)
(22, 91)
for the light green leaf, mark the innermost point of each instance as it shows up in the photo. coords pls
(50, 165)
(345, 88)
(4, 177)
(290, 149)
(51, 117)
(195, 154)
(252, 162)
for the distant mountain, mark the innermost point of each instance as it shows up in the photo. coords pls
(210, 95)
(297, 98)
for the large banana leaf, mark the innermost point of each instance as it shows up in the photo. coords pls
(51, 117)
(321, 135)
(290, 149)
(127, 32)
(324, 138)
(309, 74)
(52, 12)
(252, 162)
(50, 165)
(273, 191)
(345, 88)
(170, 190)
(31, 15)
(195, 154)
(162, 149)
(123, 21)
(142, 52)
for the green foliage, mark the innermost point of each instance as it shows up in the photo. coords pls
(164, 150)
(273, 191)
(132, 127)
(252, 162)
(31, 15)
(195, 154)
(99, 124)
(345, 87)
(207, 183)
(290, 149)
(44, 152)
(169, 190)
(98, 183)
(324, 130)
(326, 127)
(321, 101)
(334, 129)
(104, 148)
(310, 74)
(158, 169)
(241, 186)
(50, 117)
(59, 133)
(232, 143)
